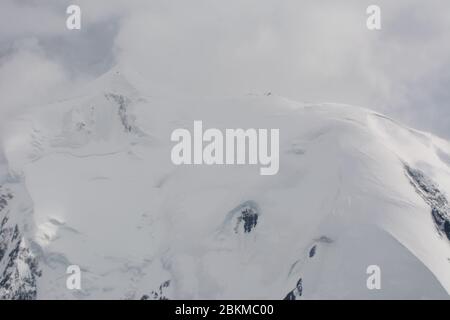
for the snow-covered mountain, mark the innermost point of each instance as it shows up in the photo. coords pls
(88, 181)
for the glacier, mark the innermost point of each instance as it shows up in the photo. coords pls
(87, 180)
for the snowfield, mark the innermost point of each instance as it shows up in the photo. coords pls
(88, 181)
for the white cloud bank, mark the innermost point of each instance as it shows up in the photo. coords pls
(307, 50)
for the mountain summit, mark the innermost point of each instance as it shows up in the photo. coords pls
(90, 183)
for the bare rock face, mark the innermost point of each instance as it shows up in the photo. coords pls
(296, 292)
(18, 266)
(429, 191)
(246, 216)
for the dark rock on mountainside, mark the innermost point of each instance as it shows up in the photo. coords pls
(18, 266)
(312, 251)
(296, 292)
(429, 191)
(246, 216)
(126, 118)
(249, 218)
(158, 294)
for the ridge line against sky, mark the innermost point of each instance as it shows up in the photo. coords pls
(305, 50)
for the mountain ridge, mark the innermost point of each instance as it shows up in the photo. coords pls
(105, 196)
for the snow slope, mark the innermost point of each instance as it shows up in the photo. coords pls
(99, 190)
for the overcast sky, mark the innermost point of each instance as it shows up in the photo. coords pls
(317, 51)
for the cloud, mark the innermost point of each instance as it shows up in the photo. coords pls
(27, 76)
(314, 51)
(306, 50)
(26, 18)
(40, 57)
